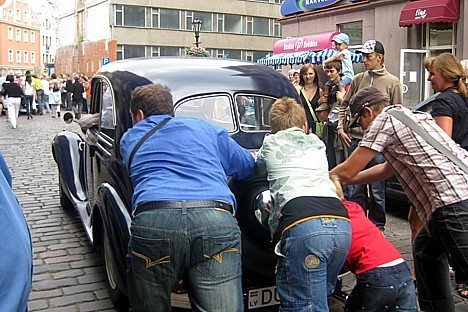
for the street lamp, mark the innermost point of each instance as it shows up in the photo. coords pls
(196, 26)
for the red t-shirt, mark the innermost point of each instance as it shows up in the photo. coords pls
(369, 248)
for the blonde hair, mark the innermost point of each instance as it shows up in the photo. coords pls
(339, 190)
(285, 113)
(451, 68)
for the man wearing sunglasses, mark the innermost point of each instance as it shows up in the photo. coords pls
(436, 186)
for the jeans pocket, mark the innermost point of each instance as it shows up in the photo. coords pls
(150, 256)
(221, 257)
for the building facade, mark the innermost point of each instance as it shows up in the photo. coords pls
(47, 13)
(409, 30)
(19, 37)
(114, 30)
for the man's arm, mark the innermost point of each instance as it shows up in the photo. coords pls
(376, 173)
(354, 164)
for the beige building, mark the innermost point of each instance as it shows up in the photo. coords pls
(237, 29)
(409, 30)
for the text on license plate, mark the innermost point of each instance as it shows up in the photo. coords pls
(262, 297)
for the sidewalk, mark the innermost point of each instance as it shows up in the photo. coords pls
(398, 232)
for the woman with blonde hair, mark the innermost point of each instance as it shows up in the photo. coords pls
(310, 93)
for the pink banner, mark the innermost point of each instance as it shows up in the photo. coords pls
(306, 43)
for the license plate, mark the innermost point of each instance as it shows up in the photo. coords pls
(263, 297)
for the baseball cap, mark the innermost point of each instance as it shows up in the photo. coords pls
(76, 77)
(342, 37)
(371, 46)
(322, 107)
(363, 98)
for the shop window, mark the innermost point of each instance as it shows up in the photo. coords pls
(232, 23)
(169, 19)
(354, 31)
(438, 34)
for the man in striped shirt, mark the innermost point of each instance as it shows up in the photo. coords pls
(436, 186)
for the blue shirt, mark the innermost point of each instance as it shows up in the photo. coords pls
(186, 159)
(16, 250)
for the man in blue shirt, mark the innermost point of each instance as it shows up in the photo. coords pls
(183, 225)
(16, 250)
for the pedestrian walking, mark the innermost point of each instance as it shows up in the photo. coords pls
(55, 99)
(305, 211)
(436, 186)
(12, 93)
(376, 75)
(29, 95)
(77, 90)
(182, 229)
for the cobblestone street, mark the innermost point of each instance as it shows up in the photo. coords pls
(68, 272)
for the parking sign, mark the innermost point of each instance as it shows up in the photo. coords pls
(105, 60)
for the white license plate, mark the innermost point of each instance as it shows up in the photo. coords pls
(262, 297)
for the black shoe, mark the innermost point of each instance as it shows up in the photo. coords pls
(58, 114)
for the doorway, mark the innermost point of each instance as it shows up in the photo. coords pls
(413, 76)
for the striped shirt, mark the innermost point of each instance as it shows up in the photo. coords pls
(428, 177)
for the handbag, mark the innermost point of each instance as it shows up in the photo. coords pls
(410, 123)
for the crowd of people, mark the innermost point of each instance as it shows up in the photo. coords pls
(36, 93)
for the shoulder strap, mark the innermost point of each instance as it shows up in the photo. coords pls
(143, 139)
(410, 123)
(311, 109)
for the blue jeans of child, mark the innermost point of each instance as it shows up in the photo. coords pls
(312, 255)
(202, 246)
(449, 235)
(389, 289)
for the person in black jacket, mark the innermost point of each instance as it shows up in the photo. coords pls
(77, 90)
(12, 93)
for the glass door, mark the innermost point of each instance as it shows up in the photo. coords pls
(413, 76)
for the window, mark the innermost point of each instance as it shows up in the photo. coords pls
(232, 23)
(25, 35)
(26, 57)
(18, 56)
(25, 16)
(107, 109)
(10, 56)
(18, 15)
(254, 111)
(220, 23)
(154, 51)
(33, 58)
(169, 19)
(215, 109)
(18, 34)
(126, 15)
(33, 37)
(155, 18)
(206, 18)
(249, 56)
(276, 29)
(119, 52)
(169, 51)
(131, 51)
(438, 35)
(261, 26)
(354, 31)
(249, 25)
(10, 33)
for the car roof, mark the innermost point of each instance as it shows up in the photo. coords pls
(186, 76)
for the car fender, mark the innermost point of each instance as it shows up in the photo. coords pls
(67, 150)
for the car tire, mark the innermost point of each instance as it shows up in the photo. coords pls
(118, 297)
(65, 202)
(257, 251)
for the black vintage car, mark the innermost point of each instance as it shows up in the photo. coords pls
(93, 179)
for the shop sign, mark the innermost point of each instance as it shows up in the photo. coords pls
(420, 14)
(306, 43)
(297, 6)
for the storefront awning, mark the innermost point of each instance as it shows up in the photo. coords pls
(306, 43)
(298, 58)
(427, 11)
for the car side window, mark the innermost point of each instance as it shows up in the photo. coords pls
(107, 119)
(254, 111)
(215, 109)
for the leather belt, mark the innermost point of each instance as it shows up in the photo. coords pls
(169, 204)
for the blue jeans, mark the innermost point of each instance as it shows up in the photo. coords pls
(312, 255)
(384, 289)
(449, 235)
(202, 246)
(29, 104)
(373, 201)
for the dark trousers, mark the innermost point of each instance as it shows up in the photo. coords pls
(448, 228)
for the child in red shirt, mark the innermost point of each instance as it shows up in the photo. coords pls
(384, 281)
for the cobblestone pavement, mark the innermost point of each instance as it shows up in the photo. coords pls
(68, 272)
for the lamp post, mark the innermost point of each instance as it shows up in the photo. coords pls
(196, 26)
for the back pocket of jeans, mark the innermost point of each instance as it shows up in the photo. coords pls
(151, 256)
(221, 257)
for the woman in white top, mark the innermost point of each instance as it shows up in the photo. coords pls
(55, 96)
(29, 93)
